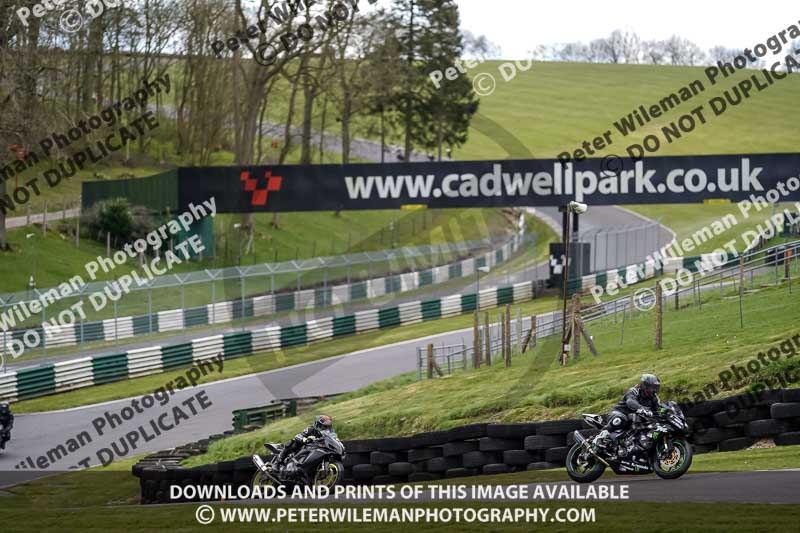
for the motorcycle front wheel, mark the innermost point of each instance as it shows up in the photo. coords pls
(583, 473)
(675, 464)
(331, 476)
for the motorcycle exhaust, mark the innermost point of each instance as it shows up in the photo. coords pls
(585, 444)
(261, 465)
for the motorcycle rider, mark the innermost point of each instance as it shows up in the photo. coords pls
(321, 423)
(6, 423)
(641, 399)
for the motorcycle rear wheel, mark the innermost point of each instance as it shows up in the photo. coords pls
(675, 465)
(261, 480)
(582, 474)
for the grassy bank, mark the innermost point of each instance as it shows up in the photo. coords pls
(699, 342)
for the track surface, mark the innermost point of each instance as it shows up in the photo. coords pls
(763, 486)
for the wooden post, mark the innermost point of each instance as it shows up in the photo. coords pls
(487, 340)
(108, 244)
(430, 361)
(502, 324)
(508, 335)
(741, 290)
(44, 220)
(78, 230)
(476, 342)
(677, 293)
(576, 338)
(531, 335)
(519, 330)
(659, 315)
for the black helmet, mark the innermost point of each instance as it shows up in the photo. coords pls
(649, 385)
(323, 423)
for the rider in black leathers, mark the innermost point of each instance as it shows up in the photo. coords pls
(6, 423)
(321, 423)
(641, 399)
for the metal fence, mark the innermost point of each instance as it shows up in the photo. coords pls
(620, 246)
(171, 302)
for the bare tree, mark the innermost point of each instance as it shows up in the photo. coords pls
(654, 51)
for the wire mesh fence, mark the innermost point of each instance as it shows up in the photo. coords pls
(619, 246)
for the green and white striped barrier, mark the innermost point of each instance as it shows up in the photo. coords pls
(63, 376)
(257, 306)
(619, 277)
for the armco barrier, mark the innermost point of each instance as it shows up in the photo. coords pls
(266, 305)
(488, 448)
(87, 371)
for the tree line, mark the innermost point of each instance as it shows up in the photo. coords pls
(368, 74)
(624, 46)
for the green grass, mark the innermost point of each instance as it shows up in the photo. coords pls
(698, 344)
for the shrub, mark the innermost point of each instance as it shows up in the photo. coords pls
(116, 217)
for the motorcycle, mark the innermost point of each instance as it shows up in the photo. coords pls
(652, 444)
(318, 463)
(5, 436)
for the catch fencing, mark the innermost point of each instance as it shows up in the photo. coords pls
(263, 301)
(68, 375)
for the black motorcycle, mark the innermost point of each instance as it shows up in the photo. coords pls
(318, 463)
(652, 444)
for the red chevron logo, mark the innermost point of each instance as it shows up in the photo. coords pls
(260, 194)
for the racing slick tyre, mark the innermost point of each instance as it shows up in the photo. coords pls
(580, 473)
(675, 464)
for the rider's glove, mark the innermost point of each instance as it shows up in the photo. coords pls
(308, 439)
(644, 412)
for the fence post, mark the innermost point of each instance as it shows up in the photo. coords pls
(487, 340)
(78, 230)
(519, 330)
(659, 316)
(430, 361)
(44, 220)
(741, 290)
(508, 335)
(476, 342)
(419, 364)
(576, 335)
